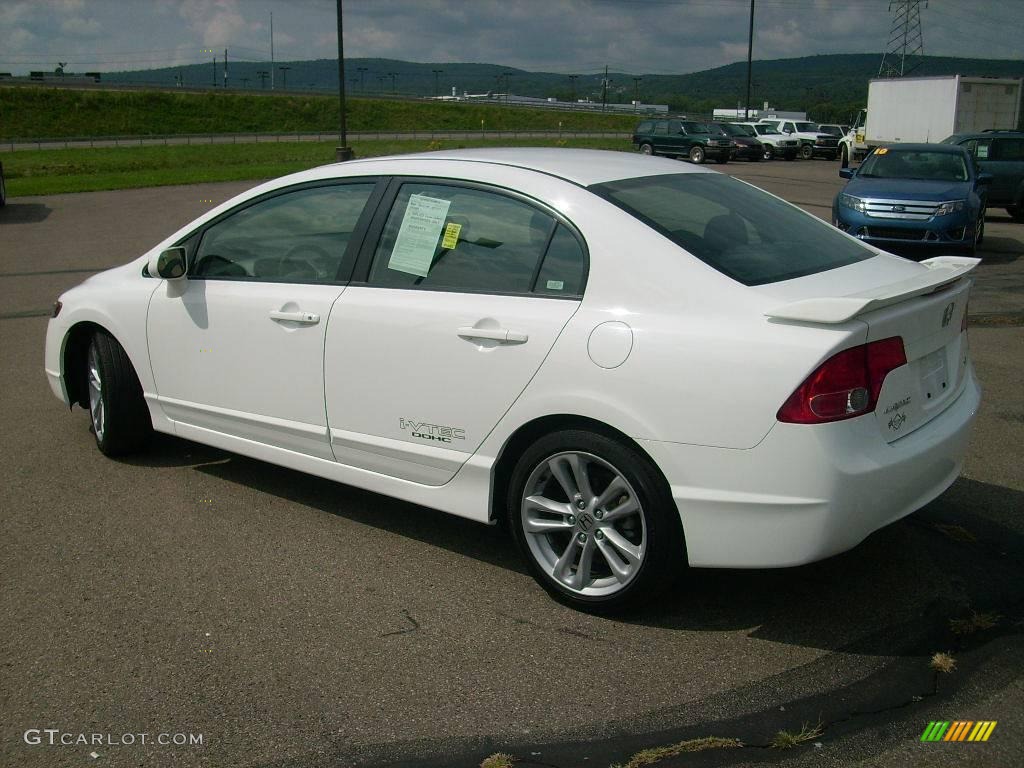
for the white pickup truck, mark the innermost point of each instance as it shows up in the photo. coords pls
(813, 143)
(775, 144)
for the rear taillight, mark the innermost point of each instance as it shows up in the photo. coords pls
(846, 385)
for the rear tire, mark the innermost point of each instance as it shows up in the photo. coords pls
(768, 152)
(696, 155)
(646, 149)
(595, 521)
(117, 409)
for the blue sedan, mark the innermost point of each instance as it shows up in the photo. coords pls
(923, 195)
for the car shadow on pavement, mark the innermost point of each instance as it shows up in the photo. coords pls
(429, 526)
(23, 213)
(999, 250)
(903, 583)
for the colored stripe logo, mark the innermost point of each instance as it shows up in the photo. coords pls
(958, 730)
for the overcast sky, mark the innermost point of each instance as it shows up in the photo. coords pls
(639, 36)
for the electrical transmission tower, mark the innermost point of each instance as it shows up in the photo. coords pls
(906, 40)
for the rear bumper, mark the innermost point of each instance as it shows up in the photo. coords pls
(808, 492)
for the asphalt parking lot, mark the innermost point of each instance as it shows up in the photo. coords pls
(294, 622)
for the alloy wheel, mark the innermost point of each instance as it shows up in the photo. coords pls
(584, 523)
(97, 411)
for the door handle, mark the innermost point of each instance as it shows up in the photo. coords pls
(501, 335)
(307, 318)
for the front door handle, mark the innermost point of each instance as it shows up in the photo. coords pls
(501, 335)
(307, 318)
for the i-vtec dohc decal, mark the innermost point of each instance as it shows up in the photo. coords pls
(437, 432)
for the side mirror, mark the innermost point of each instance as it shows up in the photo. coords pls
(847, 173)
(984, 178)
(170, 264)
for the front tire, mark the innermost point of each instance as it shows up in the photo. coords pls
(806, 152)
(769, 152)
(696, 155)
(594, 521)
(117, 409)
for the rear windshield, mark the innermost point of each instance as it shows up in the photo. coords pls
(807, 127)
(734, 227)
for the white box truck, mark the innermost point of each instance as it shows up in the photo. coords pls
(928, 109)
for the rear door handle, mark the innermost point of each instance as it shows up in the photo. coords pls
(502, 335)
(308, 318)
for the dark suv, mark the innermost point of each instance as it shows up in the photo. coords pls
(1001, 154)
(683, 138)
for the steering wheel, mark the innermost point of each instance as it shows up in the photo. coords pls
(299, 264)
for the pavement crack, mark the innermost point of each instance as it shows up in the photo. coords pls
(414, 628)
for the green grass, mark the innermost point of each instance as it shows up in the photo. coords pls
(53, 171)
(30, 113)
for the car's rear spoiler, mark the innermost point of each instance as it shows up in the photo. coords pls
(838, 309)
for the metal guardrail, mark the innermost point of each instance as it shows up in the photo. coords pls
(19, 144)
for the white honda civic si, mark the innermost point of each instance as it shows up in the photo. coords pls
(634, 363)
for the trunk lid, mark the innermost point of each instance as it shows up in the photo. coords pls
(924, 307)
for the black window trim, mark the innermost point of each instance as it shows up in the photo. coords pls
(360, 276)
(354, 244)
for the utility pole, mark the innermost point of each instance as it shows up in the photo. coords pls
(572, 81)
(262, 75)
(636, 93)
(380, 82)
(225, 67)
(214, 71)
(906, 41)
(271, 50)
(604, 90)
(436, 73)
(343, 151)
(362, 72)
(750, 61)
(393, 75)
(284, 78)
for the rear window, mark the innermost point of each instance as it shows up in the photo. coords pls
(733, 227)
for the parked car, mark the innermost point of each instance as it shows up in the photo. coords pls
(1000, 154)
(775, 143)
(683, 138)
(3, 187)
(834, 129)
(922, 195)
(745, 139)
(620, 357)
(813, 143)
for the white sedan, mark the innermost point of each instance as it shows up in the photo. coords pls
(633, 363)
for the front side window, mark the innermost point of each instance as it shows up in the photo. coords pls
(807, 127)
(733, 227)
(300, 236)
(454, 238)
(788, 128)
(697, 128)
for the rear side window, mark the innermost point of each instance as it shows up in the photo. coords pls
(453, 238)
(644, 127)
(733, 227)
(661, 129)
(1008, 149)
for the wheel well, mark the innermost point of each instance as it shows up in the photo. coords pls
(75, 351)
(531, 432)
